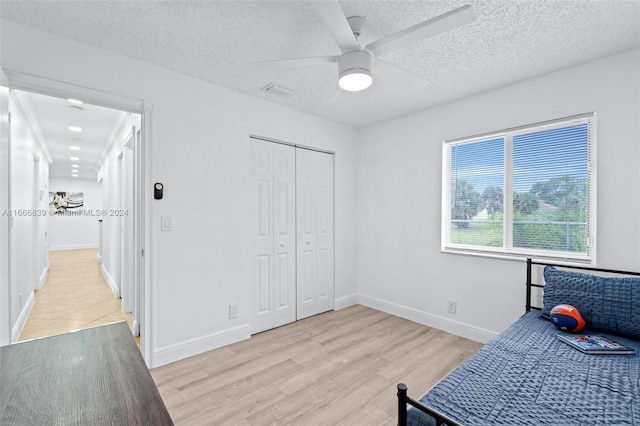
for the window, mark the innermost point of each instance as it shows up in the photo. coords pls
(527, 191)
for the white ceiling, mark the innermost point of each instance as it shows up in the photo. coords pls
(53, 116)
(216, 41)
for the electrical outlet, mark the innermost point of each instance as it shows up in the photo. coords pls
(233, 311)
(452, 305)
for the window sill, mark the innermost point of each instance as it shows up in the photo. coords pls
(519, 257)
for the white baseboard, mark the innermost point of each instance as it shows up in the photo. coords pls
(43, 277)
(458, 328)
(196, 346)
(112, 283)
(73, 247)
(345, 302)
(98, 258)
(22, 319)
(188, 348)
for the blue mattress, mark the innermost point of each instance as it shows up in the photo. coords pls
(526, 376)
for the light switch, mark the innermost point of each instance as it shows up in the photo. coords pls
(165, 223)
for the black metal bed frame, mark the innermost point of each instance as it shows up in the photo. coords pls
(441, 419)
(531, 286)
(404, 399)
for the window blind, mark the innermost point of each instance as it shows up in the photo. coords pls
(523, 191)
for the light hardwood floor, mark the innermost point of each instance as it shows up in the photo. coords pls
(75, 296)
(337, 368)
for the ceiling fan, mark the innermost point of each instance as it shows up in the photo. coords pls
(355, 62)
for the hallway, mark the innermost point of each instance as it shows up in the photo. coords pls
(75, 296)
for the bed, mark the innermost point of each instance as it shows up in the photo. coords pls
(526, 376)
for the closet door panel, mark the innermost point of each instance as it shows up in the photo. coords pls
(314, 182)
(292, 267)
(261, 298)
(324, 233)
(284, 234)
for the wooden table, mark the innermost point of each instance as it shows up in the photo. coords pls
(90, 377)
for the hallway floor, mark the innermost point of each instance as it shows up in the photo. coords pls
(75, 296)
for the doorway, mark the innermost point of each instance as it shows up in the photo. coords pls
(293, 254)
(74, 297)
(127, 211)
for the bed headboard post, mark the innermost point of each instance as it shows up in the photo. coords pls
(528, 307)
(402, 404)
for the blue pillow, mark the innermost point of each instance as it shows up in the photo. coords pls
(607, 304)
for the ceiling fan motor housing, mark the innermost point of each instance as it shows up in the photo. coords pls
(357, 61)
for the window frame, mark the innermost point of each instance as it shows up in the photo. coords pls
(507, 250)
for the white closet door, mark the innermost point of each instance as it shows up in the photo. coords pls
(314, 189)
(262, 234)
(284, 231)
(273, 258)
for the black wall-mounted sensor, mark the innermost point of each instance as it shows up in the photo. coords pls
(157, 190)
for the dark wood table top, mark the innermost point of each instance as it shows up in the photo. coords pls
(89, 377)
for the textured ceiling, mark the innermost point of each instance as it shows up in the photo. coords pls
(217, 40)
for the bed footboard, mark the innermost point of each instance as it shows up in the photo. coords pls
(403, 400)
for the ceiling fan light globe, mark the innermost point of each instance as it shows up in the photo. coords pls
(354, 70)
(355, 80)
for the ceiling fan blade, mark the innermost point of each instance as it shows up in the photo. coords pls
(333, 92)
(293, 63)
(400, 74)
(333, 16)
(445, 22)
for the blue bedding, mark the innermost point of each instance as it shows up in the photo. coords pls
(526, 376)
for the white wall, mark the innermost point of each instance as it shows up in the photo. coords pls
(200, 151)
(76, 232)
(29, 264)
(112, 198)
(400, 266)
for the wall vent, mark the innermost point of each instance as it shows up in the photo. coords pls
(277, 90)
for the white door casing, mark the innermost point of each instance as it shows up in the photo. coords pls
(5, 137)
(138, 229)
(35, 225)
(315, 267)
(126, 212)
(117, 258)
(142, 243)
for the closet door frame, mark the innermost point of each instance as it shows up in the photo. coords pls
(260, 325)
